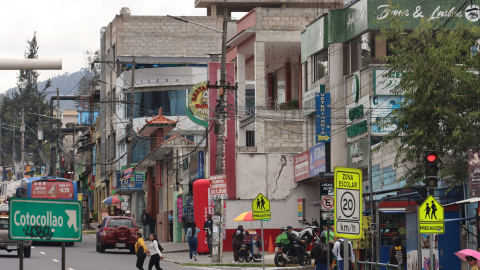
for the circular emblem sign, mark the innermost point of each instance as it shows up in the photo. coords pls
(472, 13)
(355, 87)
(197, 108)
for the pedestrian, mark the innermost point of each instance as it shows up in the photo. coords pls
(146, 220)
(192, 237)
(320, 254)
(208, 228)
(155, 253)
(170, 224)
(237, 242)
(128, 213)
(185, 227)
(397, 254)
(472, 261)
(339, 252)
(123, 213)
(140, 250)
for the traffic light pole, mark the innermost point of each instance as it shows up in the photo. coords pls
(432, 242)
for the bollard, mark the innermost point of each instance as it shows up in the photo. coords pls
(376, 265)
(388, 266)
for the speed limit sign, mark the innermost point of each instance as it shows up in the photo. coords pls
(348, 204)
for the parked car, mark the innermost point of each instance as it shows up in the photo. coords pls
(12, 245)
(116, 233)
(4, 210)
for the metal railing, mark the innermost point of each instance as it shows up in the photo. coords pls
(376, 265)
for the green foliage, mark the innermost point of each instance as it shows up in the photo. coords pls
(90, 80)
(32, 100)
(441, 88)
(291, 104)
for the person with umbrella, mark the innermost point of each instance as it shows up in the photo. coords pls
(472, 261)
(470, 256)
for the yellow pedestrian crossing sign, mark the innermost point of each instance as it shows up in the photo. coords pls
(260, 204)
(431, 217)
(431, 211)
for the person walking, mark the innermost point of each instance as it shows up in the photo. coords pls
(155, 252)
(140, 250)
(146, 220)
(170, 224)
(208, 228)
(184, 227)
(397, 254)
(338, 252)
(237, 243)
(192, 236)
(320, 254)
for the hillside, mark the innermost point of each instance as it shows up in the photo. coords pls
(65, 82)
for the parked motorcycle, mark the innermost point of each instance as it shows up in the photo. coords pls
(285, 256)
(309, 233)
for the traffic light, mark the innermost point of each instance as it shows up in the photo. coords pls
(431, 169)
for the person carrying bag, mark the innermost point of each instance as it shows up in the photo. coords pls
(141, 251)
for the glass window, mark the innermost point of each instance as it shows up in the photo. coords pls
(320, 65)
(147, 103)
(140, 149)
(250, 102)
(116, 222)
(361, 52)
(250, 138)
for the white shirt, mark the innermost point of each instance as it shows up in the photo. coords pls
(154, 248)
(336, 250)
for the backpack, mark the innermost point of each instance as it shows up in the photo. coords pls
(282, 239)
(320, 253)
(342, 249)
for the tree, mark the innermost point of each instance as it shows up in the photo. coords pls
(90, 80)
(440, 84)
(33, 101)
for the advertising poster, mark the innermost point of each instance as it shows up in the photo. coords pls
(412, 260)
(301, 166)
(474, 172)
(323, 117)
(318, 161)
(382, 107)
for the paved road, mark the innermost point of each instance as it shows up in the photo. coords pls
(47, 256)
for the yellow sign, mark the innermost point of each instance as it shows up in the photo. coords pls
(431, 217)
(366, 240)
(197, 108)
(261, 215)
(348, 202)
(323, 138)
(9, 174)
(430, 211)
(260, 204)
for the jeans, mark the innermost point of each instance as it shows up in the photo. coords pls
(193, 244)
(209, 243)
(340, 265)
(146, 232)
(154, 260)
(321, 266)
(140, 261)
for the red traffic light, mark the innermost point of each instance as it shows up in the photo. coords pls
(431, 157)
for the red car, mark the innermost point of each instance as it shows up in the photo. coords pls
(117, 232)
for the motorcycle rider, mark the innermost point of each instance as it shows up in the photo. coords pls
(292, 247)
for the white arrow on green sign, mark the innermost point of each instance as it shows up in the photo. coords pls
(45, 220)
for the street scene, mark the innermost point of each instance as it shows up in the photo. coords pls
(240, 134)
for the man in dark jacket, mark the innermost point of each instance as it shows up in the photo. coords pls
(146, 220)
(208, 228)
(237, 243)
(397, 254)
(317, 253)
(292, 247)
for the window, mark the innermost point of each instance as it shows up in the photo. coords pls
(140, 149)
(319, 65)
(147, 103)
(250, 135)
(250, 102)
(361, 52)
(116, 222)
(114, 144)
(189, 137)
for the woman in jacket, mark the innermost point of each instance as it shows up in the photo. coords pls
(398, 255)
(192, 238)
(237, 243)
(155, 252)
(140, 244)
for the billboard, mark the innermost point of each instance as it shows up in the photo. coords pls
(323, 117)
(474, 172)
(382, 108)
(301, 166)
(318, 160)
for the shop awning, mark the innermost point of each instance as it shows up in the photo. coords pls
(460, 219)
(392, 210)
(472, 200)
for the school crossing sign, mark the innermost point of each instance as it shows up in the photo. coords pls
(261, 208)
(431, 217)
(348, 202)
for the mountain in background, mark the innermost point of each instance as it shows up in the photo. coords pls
(65, 83)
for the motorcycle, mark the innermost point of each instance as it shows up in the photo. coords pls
(285, 256)
(309, 233)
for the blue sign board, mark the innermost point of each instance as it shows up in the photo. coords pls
(86, 192)
(94, 158)
(131, 188)
(118, 175)
(323, 117)
(318, 160)
(196, 166)
(139, 180)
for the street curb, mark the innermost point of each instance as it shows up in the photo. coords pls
(89, 232)
(175, 251)
(310, 267)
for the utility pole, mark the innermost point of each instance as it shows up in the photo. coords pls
(22, 151)
(217, 243)
(130, 118)
(14, 139)
(52, 144)
(59, 133)
(369, 127)
(40, 132)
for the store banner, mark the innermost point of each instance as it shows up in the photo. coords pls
(474, 172)
(357, 153)
(382, 109)
(323, 117)
(318, 160)
(138, 180)
(301, 166)
(196, 166)
(94, 159)
(158, 175)
(229, 150)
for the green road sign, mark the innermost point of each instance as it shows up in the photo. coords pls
(45, 220)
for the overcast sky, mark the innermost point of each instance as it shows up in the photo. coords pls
(66, 28)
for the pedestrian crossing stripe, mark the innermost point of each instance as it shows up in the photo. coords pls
(260, 204)
(430, 211)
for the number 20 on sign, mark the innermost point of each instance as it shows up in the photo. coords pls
(348, 203)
